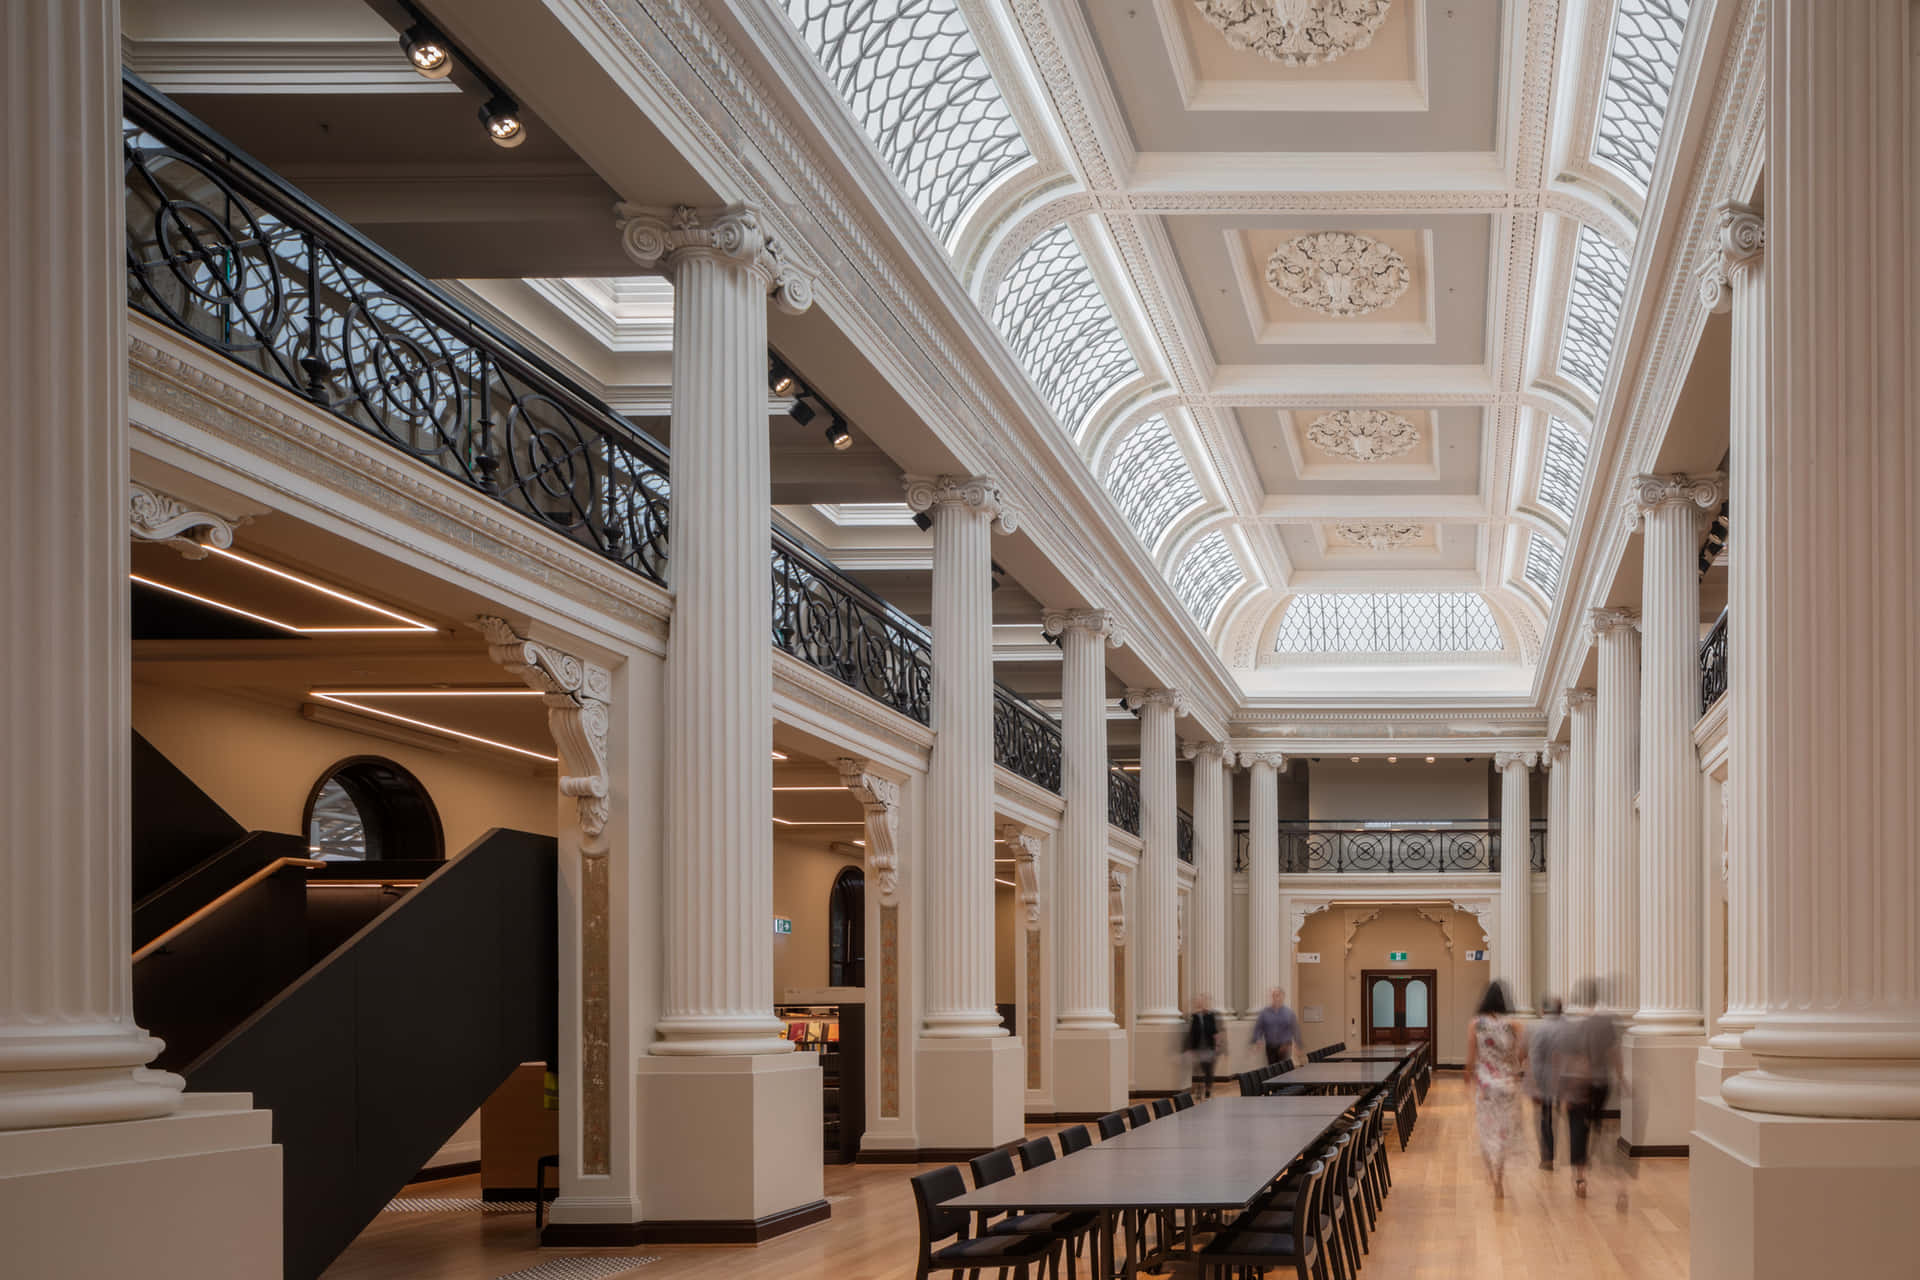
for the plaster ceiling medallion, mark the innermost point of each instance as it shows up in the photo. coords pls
(1297, 33)
(1363, 435)
(1378, 535)
(1338, 273)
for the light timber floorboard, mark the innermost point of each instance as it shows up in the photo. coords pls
(1440, 1221)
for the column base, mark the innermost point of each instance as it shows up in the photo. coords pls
(1089, 1070)
(729, 1147)
(1783, 1197)
(1656, 1106)
(972, 1094)
(1159, 1061)
(190, 1196)
(1717, 1063)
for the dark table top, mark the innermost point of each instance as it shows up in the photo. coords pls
(1347, 1073)
(1375, 1053)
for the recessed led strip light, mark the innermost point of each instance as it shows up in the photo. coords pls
(345, 698)
(405, 623)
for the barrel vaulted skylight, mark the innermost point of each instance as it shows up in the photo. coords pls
(1642, 59)
(1051, 312)
(1563, 468)
(1205, 577)
(1543, 565)
(1594, 301)
(1388, 622)
(913, 77)
(1150, 480)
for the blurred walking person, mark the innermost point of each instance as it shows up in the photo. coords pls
(1277, 1029)
(1587, 1059)
(1542, 1073)
(1496, 1065)
(1203, 1044)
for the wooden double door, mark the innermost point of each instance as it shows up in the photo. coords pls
(1397, 1006)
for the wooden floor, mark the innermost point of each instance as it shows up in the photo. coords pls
(1440, 1221)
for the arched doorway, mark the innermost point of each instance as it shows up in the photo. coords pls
(367, 808)
(847, 930)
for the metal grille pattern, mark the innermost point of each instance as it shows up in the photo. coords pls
(1543, 565)
(1388, 622)
(1562, 469)
(1594, 300)
(231, 257)
(1123, 801)
(1025, 739)
(1642, 59)
(1051, 312)
(1183, 838)
(831, 623)
(1150, 480)
(1713, 664)
(1316, 847)
(1205, 576)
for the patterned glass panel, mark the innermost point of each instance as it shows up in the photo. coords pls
(913, 77)
(1594, 300)
(1388, 622)
(1150, 480)
(1052, 314)
(1205, 577)
(1563, 468)
(1543, 565)
(1641, 61)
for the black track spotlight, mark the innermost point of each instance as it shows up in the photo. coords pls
(837, 434)
(501, 115)
(922, 521)
(780, 379)
(427, 52)
(802, 412)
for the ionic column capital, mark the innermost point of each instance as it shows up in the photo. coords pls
(1555, 752)
(1505, 760)
(1652, 492)
(1273, 760)
(1206, 752)
(1607, 621)
(1098, 622)
(1576, 700)
(654, 237)
(1738, 242)
(978, 494)
(1140, 699)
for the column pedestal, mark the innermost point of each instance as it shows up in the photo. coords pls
(1160, 1062)
(1090, 1071)
(1657, 1102)
(972, 1095)
(1715, 1065)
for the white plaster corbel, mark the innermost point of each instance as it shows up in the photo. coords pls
(1024, 843)
(576, 693)
(1298, 917)
(159, 517)
(1117, 904)
(879, 799)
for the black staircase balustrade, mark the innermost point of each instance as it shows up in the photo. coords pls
(1183, 838)
(1026, 739)
(832, 623)
(225, 252)
(1713, 664)
(1123, 801)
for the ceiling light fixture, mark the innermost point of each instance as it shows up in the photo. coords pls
(427, 51)
(802, 412)
(779, 755)
(780, 379)
(1393, 759)
(501, 115)
(837, 434)
(1010, 884)
(406, 623)
(340, 700)
(1356, 759)
(1429, 759)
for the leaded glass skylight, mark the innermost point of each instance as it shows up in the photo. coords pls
(913, 77)
(1642, 58)
(1052, 314)
(1594, 300)
(1150, 480)
(1205, 576)
(1563, 468)
(1388, 622)
(1543, 565)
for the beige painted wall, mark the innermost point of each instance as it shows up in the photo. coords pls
(1006, 940)
(803, 876)
(1334, 983)
(260, 761)
(1410, 790)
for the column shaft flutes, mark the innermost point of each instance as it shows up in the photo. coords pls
(1616, 898)
(1086, 973)
(1156, 903)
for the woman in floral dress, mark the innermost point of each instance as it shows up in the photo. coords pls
(1496, 1065)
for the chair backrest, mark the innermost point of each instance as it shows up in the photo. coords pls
(1162, 1107)
(1074, 1139)
(1183, 1100)
(930, 1191)
(1137, 1115)
(1037, 1152)
(992, 1166)
(1113, 1124)
(1306, 1202)
(1280, 1068)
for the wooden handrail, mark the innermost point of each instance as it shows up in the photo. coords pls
(272, 868)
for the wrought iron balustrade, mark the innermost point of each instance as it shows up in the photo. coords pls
(1123, 801)
(1537, 847)
(1183, 838)
(1713, 664)
(1025, 739)
(830, 622)
(1310, 848)
(223, 251)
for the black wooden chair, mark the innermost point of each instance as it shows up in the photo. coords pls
(1162, 1108)
(1270, 1237)
(1138, 1114)
(1183, 1100)
(969, 1252)
(1035, 1153)
(1114, 1123)
(1069, 1229)
(1074, 1139)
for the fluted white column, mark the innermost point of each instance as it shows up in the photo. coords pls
(1156, 904)
(1672, 995)
(959, 852)
(1516, 873)
(1559, 900)
(1616, 898)
(70, 1052)
(1579, 844)
(1207, 940)
(1086, 969)
(1735, 279)
(718, 873)
(1835, 631)
(1267, 934)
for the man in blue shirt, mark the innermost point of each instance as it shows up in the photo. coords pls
(1277, 1029)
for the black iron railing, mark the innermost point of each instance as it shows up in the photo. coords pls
(1352, 846)
(220, 249)
(1123, 801)
(1713, 663)
(829, 621)
(1183, 838)
(1025, 739)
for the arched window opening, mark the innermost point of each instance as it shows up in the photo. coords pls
(367, 808)
(847, 930)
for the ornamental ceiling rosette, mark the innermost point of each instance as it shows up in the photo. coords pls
(1338, 273)
(1363, 435)
(1297, 33)
(1379, 535)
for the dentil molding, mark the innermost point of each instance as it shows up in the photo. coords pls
(159, 517)
(653, 237)
(879, 799)
(969, 493)
(1362, 435)
(576, 693)
(1297, 33)
(1338, 273)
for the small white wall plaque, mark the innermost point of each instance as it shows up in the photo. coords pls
(1306, 957)
(1476, 955)
(1311, 1013)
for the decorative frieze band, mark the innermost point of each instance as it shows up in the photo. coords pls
(1024, 844)
(880, 800)
(1651, 492)
(576, 695)
(1099, 622)
(159, 517)
(653, 237)
(969, 493)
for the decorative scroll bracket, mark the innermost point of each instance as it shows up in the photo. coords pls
(1025, 844)
(653, 237)
(576, 693)
(1117, 904)
(880, 800)
(159, 517)
(1297, 918)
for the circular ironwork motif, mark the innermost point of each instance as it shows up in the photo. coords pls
(1363, 435)
(1297, 33)
(1338, 273)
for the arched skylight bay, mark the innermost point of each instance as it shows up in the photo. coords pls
(1642, 58)
(913, 77)
(1594, 300)
(1543, 565)
(1562, 469)
(1150, 480)
(1388, 622)
(1051, 312)
(1206, 575)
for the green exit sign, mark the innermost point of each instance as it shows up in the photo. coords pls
(1396, 955)
(781, 924)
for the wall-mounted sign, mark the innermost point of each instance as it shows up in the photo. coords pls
(782, 924)
(1312, 1013)
(1306, 957)
(1476, 955)
(1396, 955)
